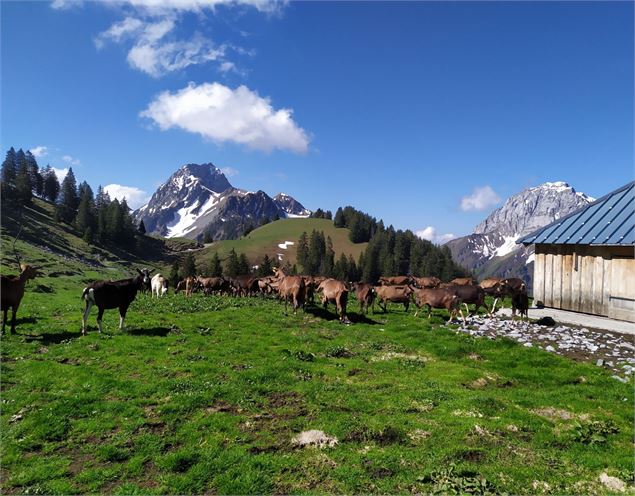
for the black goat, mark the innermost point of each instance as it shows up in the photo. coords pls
(113, 294)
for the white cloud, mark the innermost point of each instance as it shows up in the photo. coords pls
(60, 173)
(65, 4)
(71, 160)
(159, 6)
(223, 115)
(39, 151)
(156, 53)
(480, 199)
(119, 30)
(430, 233)
(135, 197)
(229, 171)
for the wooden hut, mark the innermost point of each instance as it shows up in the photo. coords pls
(585, 261)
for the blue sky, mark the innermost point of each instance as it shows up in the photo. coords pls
(403, 110)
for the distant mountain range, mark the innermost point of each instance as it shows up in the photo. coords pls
(198, 199)
(492, 250)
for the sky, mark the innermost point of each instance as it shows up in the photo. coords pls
(425, 114)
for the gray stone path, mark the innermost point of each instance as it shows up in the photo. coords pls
(579, 319)
(615, 351)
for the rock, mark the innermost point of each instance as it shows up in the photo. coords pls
(612, 483)
(527, 345)
(618, 378)
(550, 348)
(599, 363)
(314, 438)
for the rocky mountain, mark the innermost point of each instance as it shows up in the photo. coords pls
(198, 199)
(492, 250)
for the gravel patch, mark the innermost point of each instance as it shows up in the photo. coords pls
(607, 349)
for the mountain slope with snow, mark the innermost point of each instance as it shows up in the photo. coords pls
(198, 199)
(492, 250)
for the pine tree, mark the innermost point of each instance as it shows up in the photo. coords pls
(23, 187)
(216, 269)
(302, 254)
(340, 220)
(317, 249)
(102, 200)
(173, 278)
(243, 264)
(8, 175)
(37, 182)
(68, 199)
(266, 267)
(142, 227)
(86, 221)
(51, 186)
(232, 269)
(328, 261)
(188, 267)
(207, 237)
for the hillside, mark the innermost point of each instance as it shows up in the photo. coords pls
(59, 249)
(265, 240)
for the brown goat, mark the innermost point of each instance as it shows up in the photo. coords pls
(12, 291)
(335, 291)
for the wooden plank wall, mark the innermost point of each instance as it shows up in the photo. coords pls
(576, 277)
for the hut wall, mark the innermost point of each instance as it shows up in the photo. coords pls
(599, 280)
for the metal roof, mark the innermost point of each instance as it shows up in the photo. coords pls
(607, 221)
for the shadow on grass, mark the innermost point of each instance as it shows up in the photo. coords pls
(152, 331)
(52, 338)
(355, 318)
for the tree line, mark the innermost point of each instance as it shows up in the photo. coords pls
(389, 252)
(97, 217)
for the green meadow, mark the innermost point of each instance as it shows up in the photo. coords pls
(205, 395)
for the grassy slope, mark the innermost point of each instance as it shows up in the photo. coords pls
(57, 247)
(205, 394)
(265, 240)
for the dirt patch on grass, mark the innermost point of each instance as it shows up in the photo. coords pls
(220, 406)
(383, 437)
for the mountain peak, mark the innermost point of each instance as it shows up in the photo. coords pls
(198, 199)
(533, 208)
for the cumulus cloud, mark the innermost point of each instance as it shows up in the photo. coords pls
(39, 151)
(135, 197)
(480, 199)
(430, 233)
(229, 171)
(60, 173)
(71, 160)
(223, 115)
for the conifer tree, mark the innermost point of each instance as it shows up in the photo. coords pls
(23, 187)
(216, 269)
(142, 227)
(188, 267)
(243, 264)
(266, 267)
(51, 186)
(173, 277)
(232, 269)
(37, 182)
(8, 175)
(68, 198)
(302, 253)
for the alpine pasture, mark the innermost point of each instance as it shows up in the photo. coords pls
(206, 394)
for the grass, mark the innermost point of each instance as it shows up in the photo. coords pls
(265, 240)
(203, 395)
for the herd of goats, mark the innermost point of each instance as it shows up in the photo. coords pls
(296, 290)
